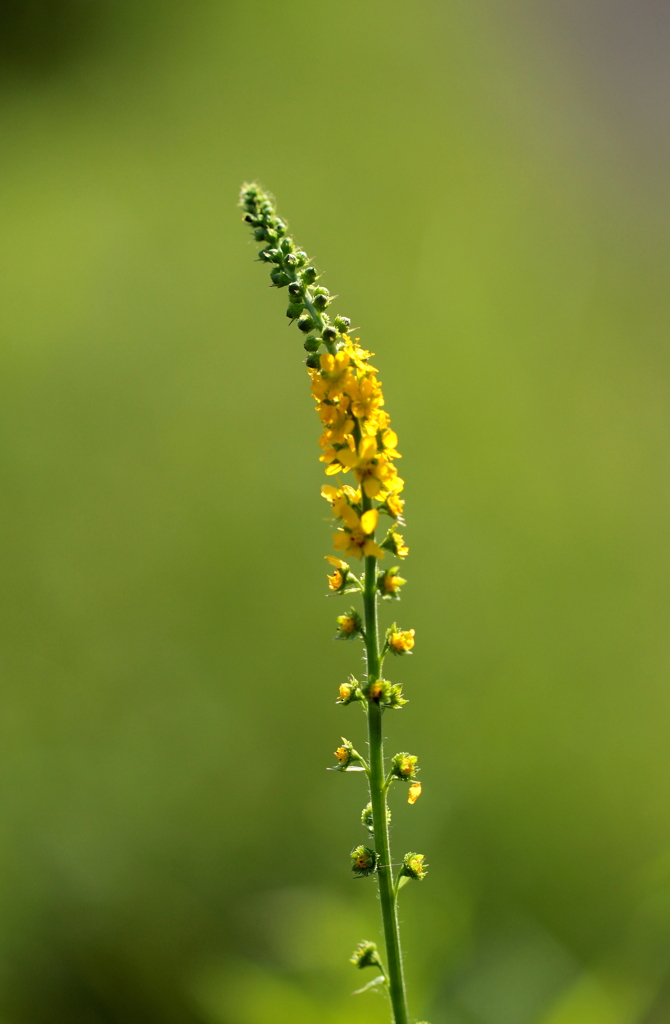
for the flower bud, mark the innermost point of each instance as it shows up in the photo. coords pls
(366, 955)
(294, 310)
(321, 298)
(349, 626)
(295, 289)
(306, 324)
(291, 259)
(259, 234)
(329, 333)
(279, 278)
(312, 344)
(414, 866)
(349, 692)
(400, 641)
(309, 275)
(348, 759)
(403, 767)
(342, 323)
(368, 820)
(286, 244)
(301, 258)
(312, 362)
(364, 861)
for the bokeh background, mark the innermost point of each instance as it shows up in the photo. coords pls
(486, 185)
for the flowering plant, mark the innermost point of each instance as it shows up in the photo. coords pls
(356, 438)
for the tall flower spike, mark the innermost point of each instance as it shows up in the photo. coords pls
(358, 452)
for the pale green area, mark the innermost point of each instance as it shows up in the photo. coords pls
(173, 851)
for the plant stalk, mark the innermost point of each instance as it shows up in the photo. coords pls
(377, 782)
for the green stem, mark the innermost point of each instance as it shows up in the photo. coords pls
(378, 789)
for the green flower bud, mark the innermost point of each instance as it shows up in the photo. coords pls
(343, 323)
(259, 234)
(403, 767)
(296, 289)
(279, 278)
(393, 697)
(286, 245)
(265, 256)
(366, 955)
(294, 310)
(309, 275)
(313, 362)
(273, 255)
(301, 258)
(321, 302)
(312, 344)
(306, 324)
(367, 818)
(280, 228)
(414, 866)
(291, 259)
(364, 861)
(329, 333)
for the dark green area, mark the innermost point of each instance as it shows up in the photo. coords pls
(173, 850)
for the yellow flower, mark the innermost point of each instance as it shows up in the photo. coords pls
(395, 505)
(414, 793)
(370, 468)
(402, 641)
(391, 582)
(334, 375)
(342, 754)
(340, 498)
(365, 394)
(346, 624)
(345, 693)
(355, 539)
(375, 689)
(335, 581)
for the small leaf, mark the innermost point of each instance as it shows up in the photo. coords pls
(375, 983)
(403, 880)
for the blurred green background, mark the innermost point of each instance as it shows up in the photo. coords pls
(486, 186)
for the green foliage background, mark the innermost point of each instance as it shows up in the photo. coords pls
(172, 849)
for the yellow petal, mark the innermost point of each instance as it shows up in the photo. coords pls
(414, 793)
(337, 562)
(390, 439)
(347, 458)
(367, 449)
(369, 520)
(370, 548)
(349, 516)
(333, 468)
(329, 492)
(327, 362)
(341, 541)
(372, 486)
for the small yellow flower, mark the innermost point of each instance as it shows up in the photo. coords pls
(414, 793)
(342, 755)
(335, 581)
(346, 624)
(355, 539)
(375, 689)
(402, 641)
(392, 583)
(395, 505)
(345, 691)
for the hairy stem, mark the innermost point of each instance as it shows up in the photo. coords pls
(378, 789)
